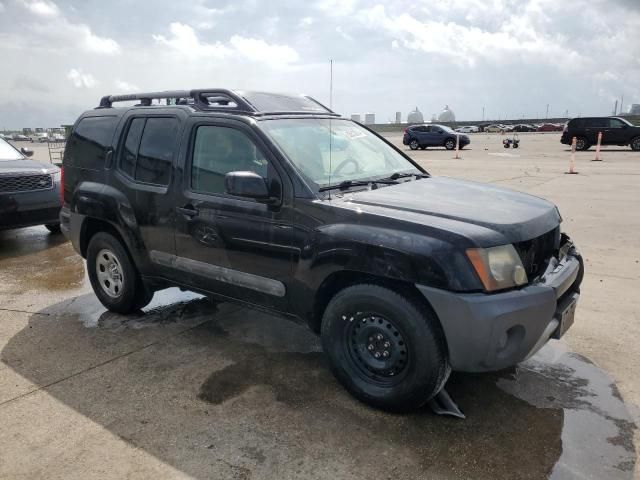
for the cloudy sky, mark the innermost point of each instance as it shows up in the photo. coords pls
(513, 57)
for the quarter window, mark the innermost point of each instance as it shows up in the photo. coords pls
(615, 123)
(220, 150)
(149, 149)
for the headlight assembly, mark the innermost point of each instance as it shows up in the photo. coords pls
(498, 267)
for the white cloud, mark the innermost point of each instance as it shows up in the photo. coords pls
(258, 50)
(127, 87)
(44, 8)
(184, 40)
(306, 22)
(1, 7)
(337, 8)
(95, 44)
(79, 79)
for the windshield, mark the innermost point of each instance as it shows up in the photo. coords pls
(349, 153)
(8, 153)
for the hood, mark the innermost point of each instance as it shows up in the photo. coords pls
(516, 216)
(26, 166)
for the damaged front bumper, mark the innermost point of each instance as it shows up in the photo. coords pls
(488, 332)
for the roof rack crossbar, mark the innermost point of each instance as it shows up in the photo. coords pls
(201, 99)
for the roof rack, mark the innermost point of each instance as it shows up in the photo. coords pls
(217, 99)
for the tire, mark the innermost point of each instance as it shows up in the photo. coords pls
(53, 227)
(449, 144)
(505, 145)
(114, 278)
(422, 147)
(414, 145)
(635, 144)
(582, 144)
(363, 321)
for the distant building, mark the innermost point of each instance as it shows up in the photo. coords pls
(355, 117)
(369, 118)
(415, 116)
(634, 109)
(398, 117)
(447, 115)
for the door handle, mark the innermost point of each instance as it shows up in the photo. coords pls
(189, 211)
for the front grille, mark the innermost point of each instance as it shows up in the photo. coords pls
(25, 183)
(536, 253)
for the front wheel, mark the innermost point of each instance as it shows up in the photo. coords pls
(582, 144)
(450, 144)
(114, 277)
(635, 144)
(53, 227)
(414, 145)
(387, 350)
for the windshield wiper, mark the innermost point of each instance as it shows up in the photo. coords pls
(397, 175)
(357, 183)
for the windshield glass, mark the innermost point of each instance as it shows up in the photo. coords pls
(7, 152)
(349, 153)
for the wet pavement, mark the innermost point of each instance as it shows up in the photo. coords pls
(219, 391)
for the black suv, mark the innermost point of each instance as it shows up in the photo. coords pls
(615, 131)
(275, 201)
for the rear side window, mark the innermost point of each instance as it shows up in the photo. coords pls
(577, 123)
(149, 149)
(89, 140)
(597, 122)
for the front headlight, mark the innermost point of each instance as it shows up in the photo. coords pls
(498, 267)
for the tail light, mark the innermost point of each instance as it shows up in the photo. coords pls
(404, 131)
(565, 128)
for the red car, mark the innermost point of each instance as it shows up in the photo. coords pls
(549, 127)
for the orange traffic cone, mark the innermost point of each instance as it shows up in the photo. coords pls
(572, 159)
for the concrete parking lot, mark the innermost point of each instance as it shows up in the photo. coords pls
(194, 389)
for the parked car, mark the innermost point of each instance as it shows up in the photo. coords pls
(432, 135)
(56, 137)
(494, 128)
(468, 129)
(30, 191)
(243, 196)
(615, 131)
(521, 127)
(41, 137)
(549, 127)
(22, 138)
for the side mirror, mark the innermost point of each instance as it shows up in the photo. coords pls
(248, 185)
(26, 151)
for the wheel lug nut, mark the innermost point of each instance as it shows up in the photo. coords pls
(371, 339)
(379, 336)
(370, 347)
(387, 344)
(377, 355)
(385, 354)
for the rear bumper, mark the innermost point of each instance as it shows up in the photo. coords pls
(26, 209)
(488, 332)
(71, 227)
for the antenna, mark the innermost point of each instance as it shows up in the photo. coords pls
(330, 108)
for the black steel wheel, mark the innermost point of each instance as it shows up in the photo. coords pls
(635, 144)
(386, 349)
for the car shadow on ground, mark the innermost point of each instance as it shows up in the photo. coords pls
(219, 391)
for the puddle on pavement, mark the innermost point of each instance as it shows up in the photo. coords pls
(34, 259)
(254, 391)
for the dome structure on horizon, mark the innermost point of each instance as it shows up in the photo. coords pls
(446, 115)
(415, 116)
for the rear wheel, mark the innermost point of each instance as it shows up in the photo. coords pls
(450, 144)
(53, 227)
(114, 278)
(414, 145)
(582, 144)
(635, 144)
(387, 350)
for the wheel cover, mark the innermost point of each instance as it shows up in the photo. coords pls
(449, 144)
(636, 144)
(414, 144)
(376, 348)
(580, 143)
(109, 272)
